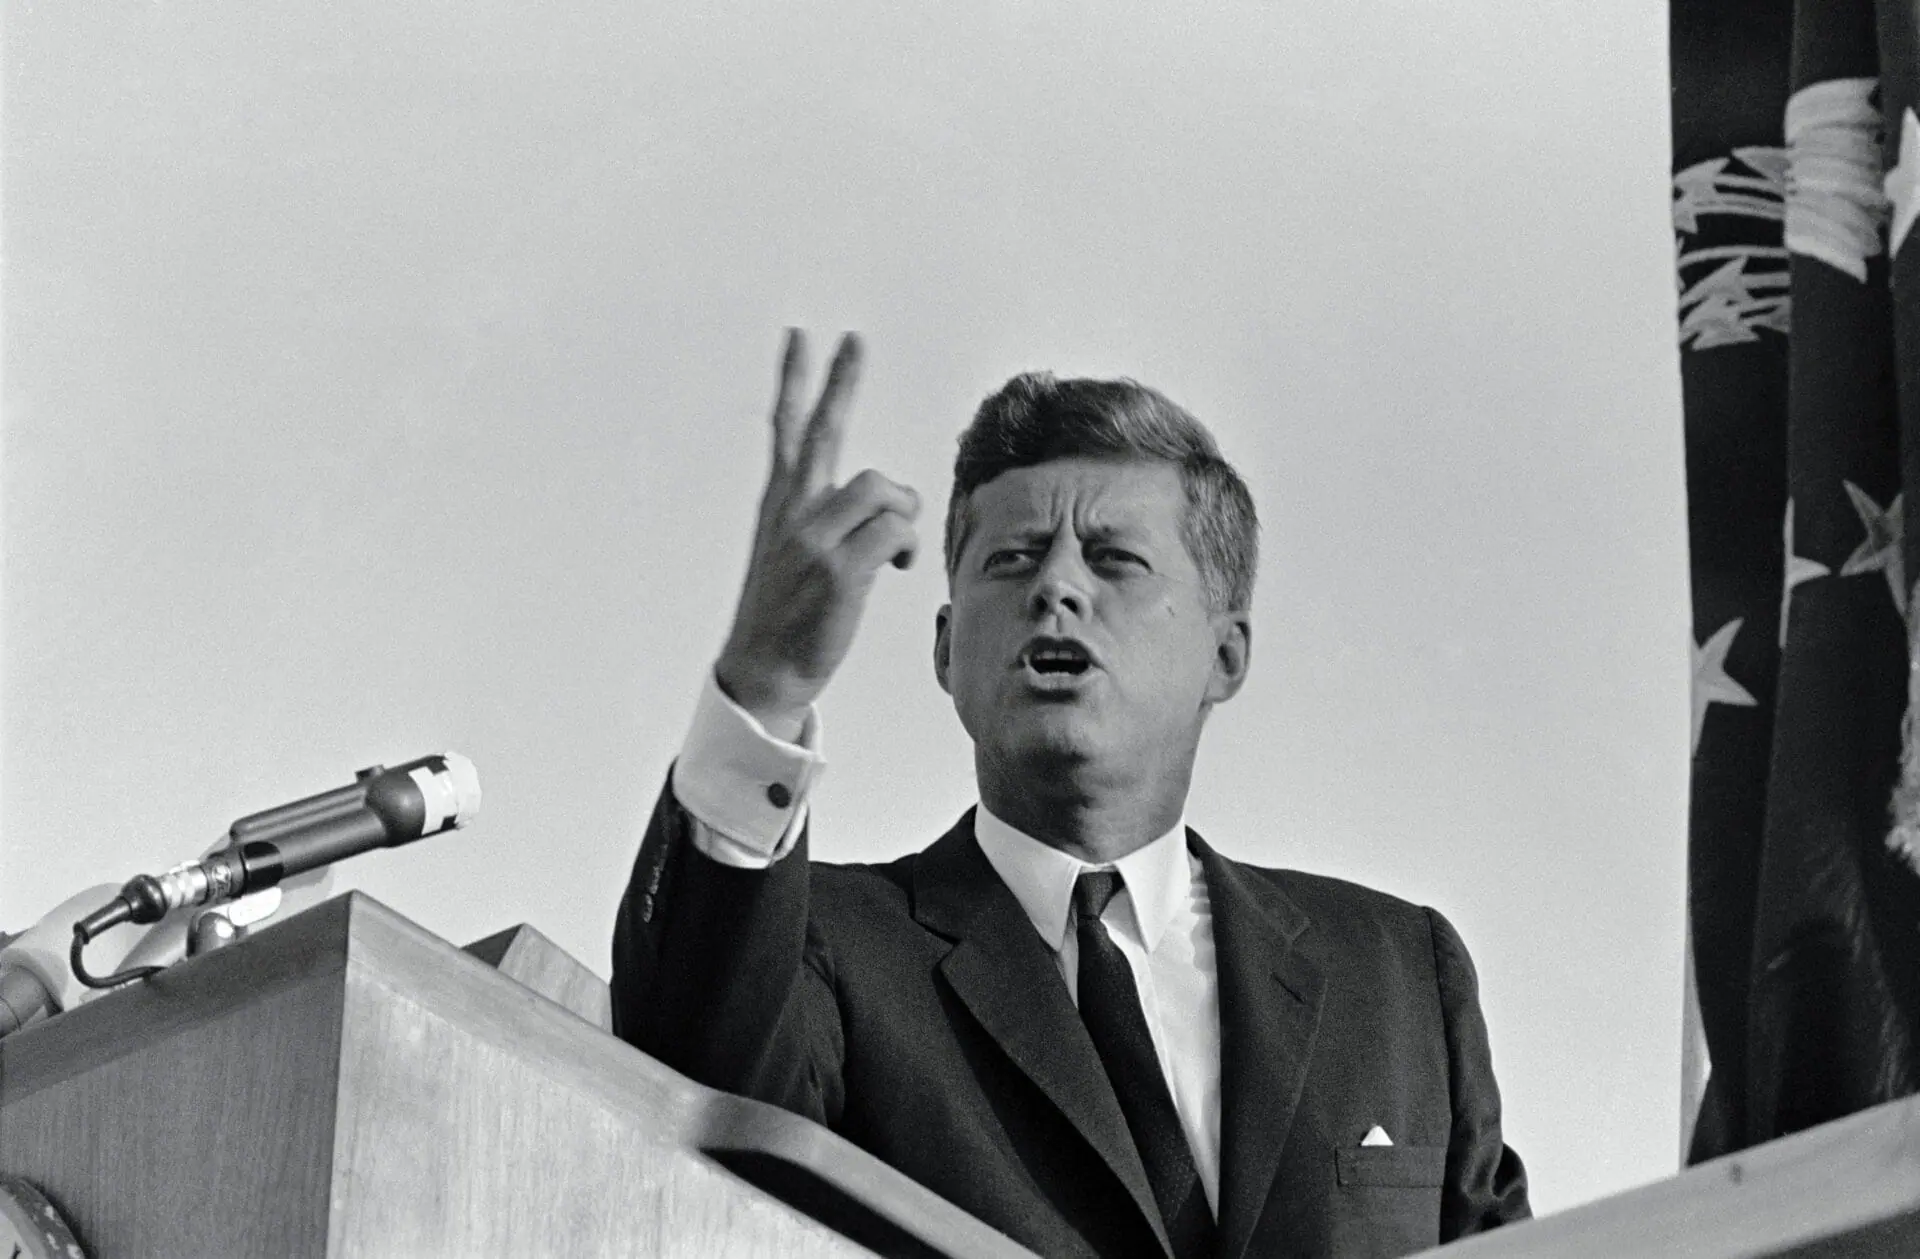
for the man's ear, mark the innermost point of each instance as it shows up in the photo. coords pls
(1232, 654)
(942, 644)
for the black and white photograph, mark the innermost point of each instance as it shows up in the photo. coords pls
(1143, 631)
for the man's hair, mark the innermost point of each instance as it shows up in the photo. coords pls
(1036, 418)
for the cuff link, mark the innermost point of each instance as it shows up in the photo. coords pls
(778, 795)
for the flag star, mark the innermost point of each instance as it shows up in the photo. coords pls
(1798, 570)
(1711, 685)
(1903, 183)
(1882, 552)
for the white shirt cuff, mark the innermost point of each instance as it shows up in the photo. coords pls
(746, 790)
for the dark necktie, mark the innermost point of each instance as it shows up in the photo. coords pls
(1110, 1007)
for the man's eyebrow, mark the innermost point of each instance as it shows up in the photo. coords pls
(1111, 533)
(1023, 534)
(1043, 535)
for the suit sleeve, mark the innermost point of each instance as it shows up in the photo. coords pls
(719, 973)
(1486, 1184)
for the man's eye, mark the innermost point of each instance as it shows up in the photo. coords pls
(1004, 559)
(1114, 555)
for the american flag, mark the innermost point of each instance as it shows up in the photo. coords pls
(1796, 157)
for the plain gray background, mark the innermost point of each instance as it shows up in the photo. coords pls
(383, 378)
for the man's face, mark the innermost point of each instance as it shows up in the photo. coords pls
(1079, 635)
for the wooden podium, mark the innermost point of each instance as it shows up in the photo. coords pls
(347, 1084)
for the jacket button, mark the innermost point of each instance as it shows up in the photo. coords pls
(778, 796)
(646, 908)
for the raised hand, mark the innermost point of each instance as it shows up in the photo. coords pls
(816, 549)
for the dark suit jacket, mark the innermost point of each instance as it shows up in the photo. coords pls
(912, 1008)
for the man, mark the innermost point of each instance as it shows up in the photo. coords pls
(1069, 1015)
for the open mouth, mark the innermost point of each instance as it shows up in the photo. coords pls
(1058, 658)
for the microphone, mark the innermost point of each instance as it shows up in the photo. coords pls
(381, 808)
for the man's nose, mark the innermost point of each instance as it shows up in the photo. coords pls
(1060, 586)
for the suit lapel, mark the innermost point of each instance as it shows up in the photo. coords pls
(1009, 981)
(1269, 1010)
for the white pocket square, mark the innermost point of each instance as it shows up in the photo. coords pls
(1376, 1135)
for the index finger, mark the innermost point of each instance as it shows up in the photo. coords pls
(820, 451)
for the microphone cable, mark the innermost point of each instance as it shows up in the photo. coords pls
(119, 910)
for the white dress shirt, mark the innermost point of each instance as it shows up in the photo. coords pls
(747, 794)
(746, 789)
(1162, 922)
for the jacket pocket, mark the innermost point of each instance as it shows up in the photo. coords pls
(1404, 1166)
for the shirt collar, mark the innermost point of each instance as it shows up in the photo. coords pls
(1041, 877)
